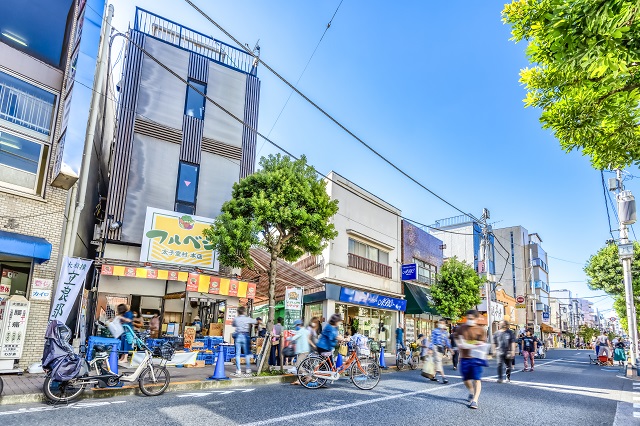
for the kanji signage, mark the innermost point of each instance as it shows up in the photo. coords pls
(176, 238)
(41, 289)
(14, 314)
(71, 281)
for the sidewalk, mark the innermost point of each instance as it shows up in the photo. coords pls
(27, 388)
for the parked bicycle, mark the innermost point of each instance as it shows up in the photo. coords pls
(68, 374)
(316, 370)
(407, 357)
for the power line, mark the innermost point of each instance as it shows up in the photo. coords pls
(565, 260)
(302, 73)
(606, 205)
(325, 113)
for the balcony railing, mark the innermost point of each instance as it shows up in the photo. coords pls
(186, 38)
(451, 221)
(541, 263)
(24, 109)
(308, 263)
(367, 265)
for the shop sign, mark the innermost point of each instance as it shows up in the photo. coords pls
(176, 238)
(546, 315)
(371, 299)
(71, 281)
(409, 272)
(293, 299)
(520, 300)
(14, 315)
(521, 306)
(497, 312)
(41, 289)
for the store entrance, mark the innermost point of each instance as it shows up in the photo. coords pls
(377, 324)
(14, 276)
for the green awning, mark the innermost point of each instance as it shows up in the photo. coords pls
(419, 300)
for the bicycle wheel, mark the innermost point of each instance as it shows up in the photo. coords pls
(366, 375)
(1, 385)
(399, 362)
(61, 392)
(415, 360)
(151, 387)
(308, 367)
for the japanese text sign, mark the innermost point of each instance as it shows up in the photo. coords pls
(14, 315)
(176, 238)
(71, 281)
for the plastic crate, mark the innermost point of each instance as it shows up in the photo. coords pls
(212, 341)
(229, 352)
(96, 340)
(208, 358)
(152, 343)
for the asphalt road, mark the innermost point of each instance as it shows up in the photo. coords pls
(563, 390)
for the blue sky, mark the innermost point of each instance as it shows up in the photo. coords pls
(434, 87)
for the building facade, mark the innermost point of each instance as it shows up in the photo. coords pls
(174, 160)
(360, 268)
(40, 44)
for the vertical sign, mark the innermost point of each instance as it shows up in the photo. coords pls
(71, 281)
(292, 306)
(230, 314)
(14, 314)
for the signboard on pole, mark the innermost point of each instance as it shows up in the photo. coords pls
(546, 315)
(520, 300)
(292, 306)
(409, 272)
(71, 281)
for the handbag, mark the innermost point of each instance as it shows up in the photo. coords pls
(343, 350)
(115, 328)
(289, 351)
(429, 368)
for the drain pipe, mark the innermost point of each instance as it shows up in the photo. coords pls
(91, 131)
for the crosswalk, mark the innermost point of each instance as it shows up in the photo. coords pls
(636, 400)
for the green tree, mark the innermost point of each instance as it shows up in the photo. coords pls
(457, 289)
(586, 73)
(283, 208)
(588, 333)
(604, 270)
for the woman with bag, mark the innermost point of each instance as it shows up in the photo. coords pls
(301, 342)
(125, 316)
(275, 357)
(329, 338)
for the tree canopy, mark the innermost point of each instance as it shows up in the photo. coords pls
(585, 75)
(283, 208)
(457, 288)
(604, 270)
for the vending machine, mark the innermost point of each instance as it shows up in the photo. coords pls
(14, 314)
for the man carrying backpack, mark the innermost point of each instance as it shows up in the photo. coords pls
(504, 343)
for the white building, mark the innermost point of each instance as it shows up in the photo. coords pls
(360, 268)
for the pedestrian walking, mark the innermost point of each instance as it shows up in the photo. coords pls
(125, 316)
(329, 337)
(241, 339)
(529, 348)
(438, 346)
(454, 348)
(314, 332)
(471, 339)
(301, 340)
(504, 342)
(400, 338)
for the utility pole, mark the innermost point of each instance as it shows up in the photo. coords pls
(486, 229)
(627, 216)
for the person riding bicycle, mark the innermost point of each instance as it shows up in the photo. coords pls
(329, 337)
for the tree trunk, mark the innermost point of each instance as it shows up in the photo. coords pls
(272, 290)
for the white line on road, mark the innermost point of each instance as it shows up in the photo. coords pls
(76, 405)
(366, 402)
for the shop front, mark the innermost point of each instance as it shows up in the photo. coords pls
(373, 315)
(421, 315)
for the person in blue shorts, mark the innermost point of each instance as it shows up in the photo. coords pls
(470, 336)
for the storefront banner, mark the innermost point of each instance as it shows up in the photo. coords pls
(371, 299)
(233, 287)
(251, 290)
(176, 238)
(409, 272)
(72, 276)
(214, 285)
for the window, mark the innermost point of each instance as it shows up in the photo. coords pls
(187, 188)
(25, 105)
(368, 252)
(426, 272)
(22, 163)
(194, 105)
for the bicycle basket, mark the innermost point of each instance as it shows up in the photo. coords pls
(165, 351)
(414, 346)
(374, 346)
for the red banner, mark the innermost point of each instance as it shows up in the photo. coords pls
(214, 285)
(192, 282)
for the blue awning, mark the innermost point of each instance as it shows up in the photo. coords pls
(20, 245)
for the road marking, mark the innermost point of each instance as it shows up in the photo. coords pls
(201, 394)
(367, 402)
(193, 395)
(75, 405)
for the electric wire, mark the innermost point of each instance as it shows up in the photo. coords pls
(606, 205)
(325, 113)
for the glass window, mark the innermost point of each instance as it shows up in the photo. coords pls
(20, 161)
(194, 105)
(426, 271)
(26, 105)
(187, 183)
(368, 252)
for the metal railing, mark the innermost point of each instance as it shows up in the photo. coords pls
(186, 38)
(451, 221)
(370, 266)
(24, 109)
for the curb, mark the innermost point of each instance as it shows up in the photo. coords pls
(173, 387)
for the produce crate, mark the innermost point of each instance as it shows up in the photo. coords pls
(105, 341)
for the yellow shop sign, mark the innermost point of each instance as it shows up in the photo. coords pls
(176, 238)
